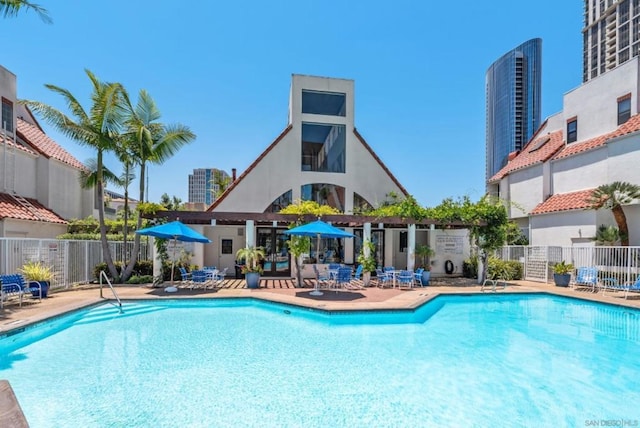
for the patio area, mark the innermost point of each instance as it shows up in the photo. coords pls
(284, 291)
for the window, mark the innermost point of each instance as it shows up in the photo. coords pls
(327, 103)
(226, 246)
(360, 204)
(624, 109)
(324, 194)
(323, 147)
(7, 115)
(280, 202)
(572, 130)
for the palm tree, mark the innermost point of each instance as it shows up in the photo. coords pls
(11, 8)
(98, 128)
(607, 235)
(613, 197)
(150, 142)
(220, 182)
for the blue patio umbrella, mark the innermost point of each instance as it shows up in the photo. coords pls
(319, 229)
(177, 231)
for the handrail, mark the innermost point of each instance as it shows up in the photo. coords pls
(103, 274)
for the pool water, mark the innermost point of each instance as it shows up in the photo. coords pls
(506, 360)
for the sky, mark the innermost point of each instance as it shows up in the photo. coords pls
(223, 68)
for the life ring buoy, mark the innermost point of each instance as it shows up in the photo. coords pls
(448, 267)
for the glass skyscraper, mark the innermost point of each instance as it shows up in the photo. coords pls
(513, 86)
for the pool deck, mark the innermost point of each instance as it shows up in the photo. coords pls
(283, 291)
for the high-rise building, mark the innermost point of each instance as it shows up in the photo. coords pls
(611, 35)
(202, 185)
(513, 87)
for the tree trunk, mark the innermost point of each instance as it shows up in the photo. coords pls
(106, 251)
(298, 271)
(136, 239)
(621, 220)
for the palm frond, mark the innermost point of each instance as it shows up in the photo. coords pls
(11, 8)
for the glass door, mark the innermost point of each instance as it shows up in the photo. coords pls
(274, 242)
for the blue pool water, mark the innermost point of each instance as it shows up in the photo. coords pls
(506, 360)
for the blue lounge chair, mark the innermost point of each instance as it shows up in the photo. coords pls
(586, 277)
(322, 279)
(343, 279)
(613, 285)
(383, 278)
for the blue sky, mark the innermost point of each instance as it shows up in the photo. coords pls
(224, 70)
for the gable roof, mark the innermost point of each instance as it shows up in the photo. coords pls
(275, 142)
(538, 150)
(44, 145)
(248, 170)
(631, 125)
(564, 202)
(27, 209)
(10, 142)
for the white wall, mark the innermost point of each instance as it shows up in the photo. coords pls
(449, 244)
(584, 171)
(563, 227)
(525, 188)
(13, 228)
(595, 103)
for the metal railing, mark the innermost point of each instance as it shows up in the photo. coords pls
(621, 264)
(73, 261)
(113, 290)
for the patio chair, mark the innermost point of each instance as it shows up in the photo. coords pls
(343, 279)
(417, 276)
(322, 279)
(405, 278)
(383, 279)
(334, 266)
(356, 279)
(586, 277)
(199, 278)
(613, 285)
(218, 277)
(185, 276)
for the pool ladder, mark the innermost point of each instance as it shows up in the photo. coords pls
(104, 275)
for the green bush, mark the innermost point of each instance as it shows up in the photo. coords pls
(143, 279)
(141, 268)
(470, 267)
(503, 269)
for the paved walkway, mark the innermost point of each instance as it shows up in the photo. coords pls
(284, 291)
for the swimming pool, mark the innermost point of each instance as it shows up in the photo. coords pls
(457, 361)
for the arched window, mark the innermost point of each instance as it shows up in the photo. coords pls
(280, 202)
(360, 204)
(324, 194)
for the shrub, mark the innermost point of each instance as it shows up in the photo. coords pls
(470, 267)
(141, 268)
(504, 269)
(142, 279)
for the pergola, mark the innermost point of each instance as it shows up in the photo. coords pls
(251, 220)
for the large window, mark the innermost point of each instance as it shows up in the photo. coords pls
(624, 109)
(327, 103)
(572, 130)
(7, 115)
(280, 202)
(324, 194)
(360, 204)
(323, 147)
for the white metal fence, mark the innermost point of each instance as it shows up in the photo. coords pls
(73, 261)
(619, 263)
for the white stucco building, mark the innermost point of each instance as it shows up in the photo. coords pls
(39, 180)
(320, 156)
(594, 140)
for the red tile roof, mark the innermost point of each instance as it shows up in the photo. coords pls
(538, 150)
(631, 125)
(45, 145)
(10, 207)
(564, 202)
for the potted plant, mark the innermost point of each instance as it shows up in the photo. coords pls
(562, 273)
(38, 272)
(252, 267)
(368, 262)
(424, 254)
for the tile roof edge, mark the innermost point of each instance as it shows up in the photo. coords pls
(249, 169)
